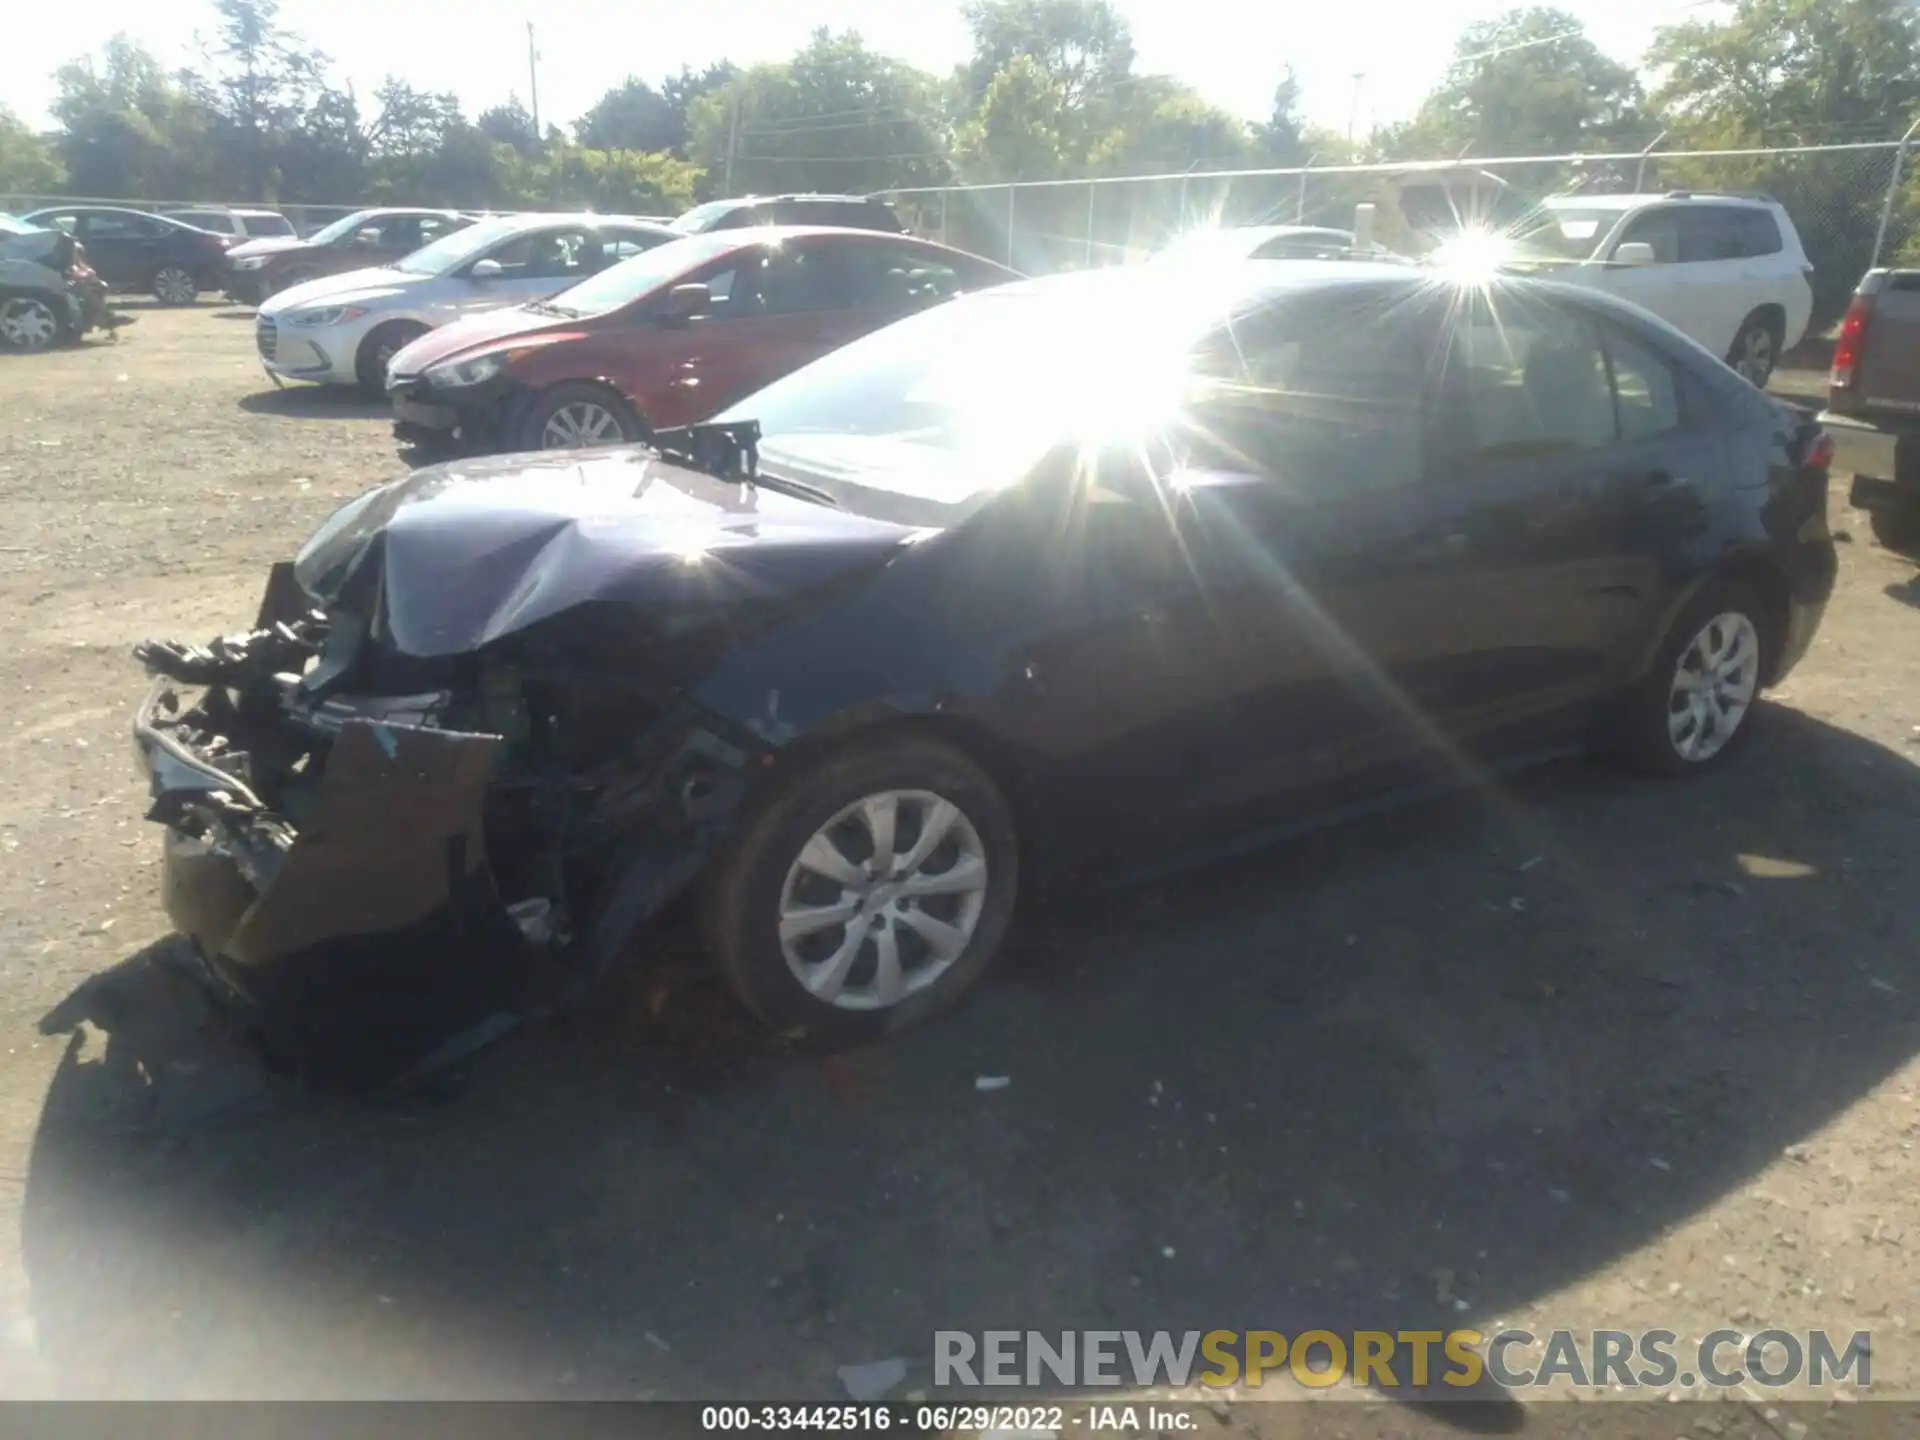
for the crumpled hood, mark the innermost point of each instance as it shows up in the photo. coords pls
(266, 245)
(455, 556)
(39, 246)
(355, 287)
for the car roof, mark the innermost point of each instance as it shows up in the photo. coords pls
(809, 195)
(1661, 197)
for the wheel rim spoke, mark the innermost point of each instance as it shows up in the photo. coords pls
(813, 918)
(944, 940)
(969, 873)
(881, 813)
(889, 983)
(823, 857)
(935, 822)
(829, 978)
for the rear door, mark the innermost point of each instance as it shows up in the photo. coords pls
(1726, 280)
(122, 247)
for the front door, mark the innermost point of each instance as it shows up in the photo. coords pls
(122, 248)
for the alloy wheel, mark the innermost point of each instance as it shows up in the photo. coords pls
(580, 424)
(27, 324)
(174, 286)
(883, 899)
(1755, 362)
(1713, 686)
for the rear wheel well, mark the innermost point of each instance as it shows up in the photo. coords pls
(1767, 582)
(1774, 317)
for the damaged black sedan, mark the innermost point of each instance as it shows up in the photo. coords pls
(1056, 576)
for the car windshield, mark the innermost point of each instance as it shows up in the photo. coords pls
(1564, 233)
(343, 227)
(455, 249)
(621, 284)
(923, 422)
(703, 214)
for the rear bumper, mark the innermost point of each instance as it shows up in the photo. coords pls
(1874, 494)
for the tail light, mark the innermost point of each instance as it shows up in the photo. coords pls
(1846, 349)
(1819, 454)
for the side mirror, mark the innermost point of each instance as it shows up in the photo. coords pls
(1635, 252)
(367, 237)
(485, 270)
(683, 302)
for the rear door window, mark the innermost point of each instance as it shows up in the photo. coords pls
(1646, 391)
(1712, 232)
(1535, 379)
(206, 220)
(1759, 233)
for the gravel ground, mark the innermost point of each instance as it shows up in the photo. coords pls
(1574, 1051)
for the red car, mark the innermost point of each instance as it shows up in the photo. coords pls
(666, 338)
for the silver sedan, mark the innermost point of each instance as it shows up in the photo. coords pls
(343, 329)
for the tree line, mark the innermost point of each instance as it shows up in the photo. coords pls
(1050, 89)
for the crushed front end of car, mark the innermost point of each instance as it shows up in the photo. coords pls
(455, 765)
(388, 864)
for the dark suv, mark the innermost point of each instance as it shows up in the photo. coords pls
(853, 212)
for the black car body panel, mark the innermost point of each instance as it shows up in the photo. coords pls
(597, 662)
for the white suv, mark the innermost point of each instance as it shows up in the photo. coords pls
(1728, 270)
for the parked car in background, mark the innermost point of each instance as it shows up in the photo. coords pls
(48, 293)
(1072, 571)
(1874, 386)
(238, 225)
(139, 253)
(668, 338)
(855, 212)
(1271, 242)
(1727, 270)
(343, 329)
(259, 268)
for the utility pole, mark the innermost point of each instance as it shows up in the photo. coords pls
(533, 82)
(1353, 112)
(733, 141)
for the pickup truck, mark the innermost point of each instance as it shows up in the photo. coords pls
(1875, 387)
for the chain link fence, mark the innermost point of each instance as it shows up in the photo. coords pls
(1840, 197)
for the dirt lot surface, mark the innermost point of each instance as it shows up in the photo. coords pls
(1576, 1051)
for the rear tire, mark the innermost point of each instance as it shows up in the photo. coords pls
(1897, 529)
(1756, 349)
(382, 343)
(867, 813)
(580, 415)
(1694, 708)
(31, 322)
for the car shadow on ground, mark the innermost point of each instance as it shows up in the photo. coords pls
(1424, 1070)
(315, 402)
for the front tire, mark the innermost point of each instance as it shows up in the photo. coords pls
(376, 352)
(1756, 350)
(175, 285)
(28, 322)
(580, 416)
(866, 895)
(1694, 708)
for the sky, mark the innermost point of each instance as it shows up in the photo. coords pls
(1232, 51)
